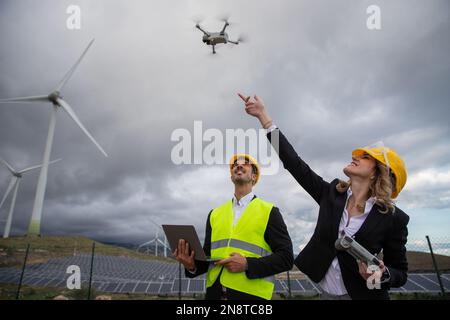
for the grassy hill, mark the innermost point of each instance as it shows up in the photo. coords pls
(422, 262)
(12, 250)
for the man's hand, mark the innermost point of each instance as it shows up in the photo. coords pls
(363, 269)
(182, 255)
(255, 107)
(235, 263)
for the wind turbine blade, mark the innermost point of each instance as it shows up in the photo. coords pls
(8, 190)
(38, 166)
(145, 243)
(11, 210)
(72, 70)
(10, 168)
(26, 99)
(74, 117)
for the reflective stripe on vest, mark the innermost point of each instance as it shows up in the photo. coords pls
(250, 247)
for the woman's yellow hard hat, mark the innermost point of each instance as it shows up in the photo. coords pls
(391, 159)
(247, 157)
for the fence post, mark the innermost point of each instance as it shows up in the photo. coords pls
(179, 280)
(90, 272)
(289, 285)
(435, 266)
(23, 271)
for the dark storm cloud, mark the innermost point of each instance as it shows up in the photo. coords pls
(328, 82)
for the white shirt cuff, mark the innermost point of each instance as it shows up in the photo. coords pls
(271, 128)
(193, 271)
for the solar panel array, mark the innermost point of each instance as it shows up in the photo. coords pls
(126, 275)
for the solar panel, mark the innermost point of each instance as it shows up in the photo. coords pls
(128, 287)
(97, 285)
(433, 277)
(307, 285)
(154, 287)
(166, 287)
(295, 286)
(427, 284)
(176, 284)
(412, 286)
(55, 282)
(279, 286)
(111, 287)
(196, 286)
(130, 275)
(34, 281)
(141, 287)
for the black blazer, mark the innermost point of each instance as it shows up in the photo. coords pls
(281, 259)
(380, 232)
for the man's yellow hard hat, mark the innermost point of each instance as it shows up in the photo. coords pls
(247, 157)
(391, 159)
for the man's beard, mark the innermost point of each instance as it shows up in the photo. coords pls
(242, 180)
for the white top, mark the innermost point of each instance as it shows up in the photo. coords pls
(271, 128)
(332, 283)
(240, 205)
(238, 208)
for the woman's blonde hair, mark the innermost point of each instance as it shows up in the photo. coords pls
(380, 188)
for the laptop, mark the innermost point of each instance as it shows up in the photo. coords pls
(187, 232)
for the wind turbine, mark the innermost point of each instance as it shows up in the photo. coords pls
(14, 184)
(57, 101)
(156, 241)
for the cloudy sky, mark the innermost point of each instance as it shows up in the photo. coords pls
(329, 82)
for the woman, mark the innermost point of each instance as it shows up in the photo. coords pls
(361, 207)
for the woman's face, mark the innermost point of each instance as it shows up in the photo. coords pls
(362, 166)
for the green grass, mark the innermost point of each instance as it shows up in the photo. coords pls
(8, 292)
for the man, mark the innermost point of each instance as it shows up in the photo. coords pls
(250, 237)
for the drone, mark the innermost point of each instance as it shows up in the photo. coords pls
(214, 38)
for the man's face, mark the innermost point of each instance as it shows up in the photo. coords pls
(242, 172)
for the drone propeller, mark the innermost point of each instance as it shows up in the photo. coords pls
(197, 26)
(197, 19)
(225, 18)
(242, 38)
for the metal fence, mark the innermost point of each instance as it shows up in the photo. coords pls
(77, 268)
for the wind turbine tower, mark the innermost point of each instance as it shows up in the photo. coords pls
(57, 103)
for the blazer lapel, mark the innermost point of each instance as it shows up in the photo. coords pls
(372, 220)
(341, 199)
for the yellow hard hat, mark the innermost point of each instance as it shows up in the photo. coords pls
(391, 159)
(247, 157)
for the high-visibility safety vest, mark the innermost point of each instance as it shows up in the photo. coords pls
(246, 238)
